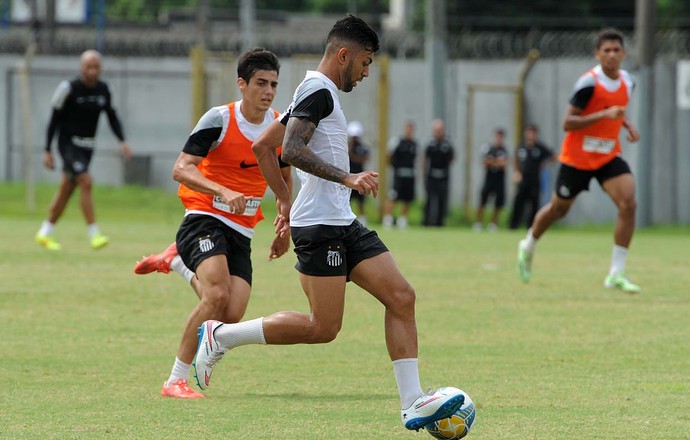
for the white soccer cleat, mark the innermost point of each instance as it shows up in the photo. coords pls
(208, 353)
(427, 409)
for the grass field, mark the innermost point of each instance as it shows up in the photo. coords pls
(86, 344)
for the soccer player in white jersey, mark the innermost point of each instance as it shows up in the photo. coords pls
(221, 188)
(332, 247)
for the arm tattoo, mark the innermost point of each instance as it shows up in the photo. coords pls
(298, 154)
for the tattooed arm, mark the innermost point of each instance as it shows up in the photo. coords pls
(298, 133)
(296, 152)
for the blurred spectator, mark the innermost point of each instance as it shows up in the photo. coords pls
(437, 159)
(402, 157)
(359, 155)
(494, 160)
(530, 158)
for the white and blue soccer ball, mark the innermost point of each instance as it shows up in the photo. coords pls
(456, 426)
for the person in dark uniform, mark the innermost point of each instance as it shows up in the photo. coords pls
(494, 161)
(437, 159)
(530, 158)
(359, 155)
(403, 160)
(77, 105)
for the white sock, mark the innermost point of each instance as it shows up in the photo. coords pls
(530, 241)
(93, 230)
(407, 377)
(618, 257)
(178, 266)
(46, 228)
(243, 333)
(180, 370)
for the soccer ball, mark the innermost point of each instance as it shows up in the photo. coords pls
(456, 426)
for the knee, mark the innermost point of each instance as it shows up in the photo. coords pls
(628, 206)
(323, 333)
(217, 297)
(403, 301)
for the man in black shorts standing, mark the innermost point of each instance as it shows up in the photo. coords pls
(403, 159)
(332, 247)
(530, 157)
(494, 161)
(438, 157)
(77, 105)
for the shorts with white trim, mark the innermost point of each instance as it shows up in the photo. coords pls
(202, 236)
(325, 251)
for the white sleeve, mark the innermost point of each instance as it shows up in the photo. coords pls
(61, 93)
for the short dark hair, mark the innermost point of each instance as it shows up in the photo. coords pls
(500, 131)
(532, 127)
(353, 30)
(609, 34)
(256, 59)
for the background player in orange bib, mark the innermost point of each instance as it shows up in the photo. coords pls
(591, 149)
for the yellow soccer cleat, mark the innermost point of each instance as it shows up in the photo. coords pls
(48, 242)
(98, 241)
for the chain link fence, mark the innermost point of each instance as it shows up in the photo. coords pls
(303, 37)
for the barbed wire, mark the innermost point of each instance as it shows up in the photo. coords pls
(670, 44)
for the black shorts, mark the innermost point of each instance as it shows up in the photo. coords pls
(334, 250)
(403, 189)
(75, 160)
(202, 236)
(495, 188)
(571, 181)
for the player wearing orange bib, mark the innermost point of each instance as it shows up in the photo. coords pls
(221, 187)
(591, 149)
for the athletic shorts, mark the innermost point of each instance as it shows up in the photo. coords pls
(202, 236)
(326, 251)
(403, 189)
(75, 160)
(571, 181)
(495, 188)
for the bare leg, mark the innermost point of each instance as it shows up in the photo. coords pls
(496, 215)
(553, 211)
(326, 297)
(85, 183)
(59, 202)
(621, 189)
(480, 214)
(381, 277)
(223, 297)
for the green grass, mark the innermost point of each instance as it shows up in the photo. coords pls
(86, 344)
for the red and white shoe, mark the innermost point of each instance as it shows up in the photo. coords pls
(157, 262)
(429, 408)
(180, 389)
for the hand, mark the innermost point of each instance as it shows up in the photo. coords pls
(237, 202)
(282, 221)
(615, 112)
(126, 150)
(364, 183)
(633, 135)
(517, 176)
(48, 161)
(279, 247)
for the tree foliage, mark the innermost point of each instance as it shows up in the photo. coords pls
(462, 14)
